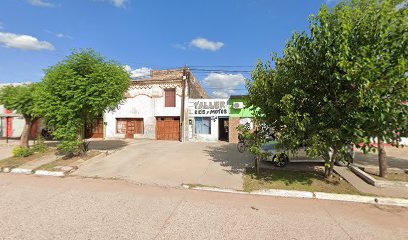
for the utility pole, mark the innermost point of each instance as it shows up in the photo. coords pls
(186, 77)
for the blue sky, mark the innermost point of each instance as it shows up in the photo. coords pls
(151, 34)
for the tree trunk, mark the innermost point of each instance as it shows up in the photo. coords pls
(25, 135)
(382, 160)
(329, 164)
(257, 164)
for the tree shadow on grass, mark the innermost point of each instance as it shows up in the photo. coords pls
(228, 156)
(290, 177)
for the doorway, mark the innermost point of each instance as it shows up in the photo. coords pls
(223, 129)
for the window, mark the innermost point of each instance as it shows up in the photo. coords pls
(120, 125)
(202, 125)
(170, 97)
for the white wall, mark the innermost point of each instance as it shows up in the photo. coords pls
(147, 103)
(141, 106)
(192, 107)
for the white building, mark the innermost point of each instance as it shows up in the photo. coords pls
(208, 120)
(156, 107)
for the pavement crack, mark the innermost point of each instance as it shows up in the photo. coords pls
(337, 223)
(166, 222)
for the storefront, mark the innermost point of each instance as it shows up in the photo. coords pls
(240, 114)
(208, 120)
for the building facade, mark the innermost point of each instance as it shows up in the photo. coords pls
(156, 107)
(239, 114)
(208, 120)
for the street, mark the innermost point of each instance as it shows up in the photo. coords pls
(88, 208)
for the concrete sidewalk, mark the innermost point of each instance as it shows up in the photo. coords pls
(40, 161)
(6, 151)
(170, 163)
(397, 158)
(364, 187)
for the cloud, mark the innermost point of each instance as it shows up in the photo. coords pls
(61, 35)
(24, 42)
(332, 2)
(138, 73)
(41, 3)
(205, 44)
(58, 35)
(180, 46)
(223, 84)
(119, 3)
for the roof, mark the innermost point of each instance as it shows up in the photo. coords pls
(161, 75)
(174, 75)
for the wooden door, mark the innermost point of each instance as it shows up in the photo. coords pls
(139, 126)
(130, 128)
(9, 124)
(168, 128)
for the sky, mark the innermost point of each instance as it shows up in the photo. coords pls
(220, 40)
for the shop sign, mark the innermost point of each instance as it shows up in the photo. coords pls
(211, 107)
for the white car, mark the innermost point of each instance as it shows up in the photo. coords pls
(280, 157)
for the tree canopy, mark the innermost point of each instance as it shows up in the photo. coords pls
(21, 98)
(79, 89)
(340, 84)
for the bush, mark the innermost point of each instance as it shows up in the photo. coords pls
(22, 152)
(72, 147)
(40, 146)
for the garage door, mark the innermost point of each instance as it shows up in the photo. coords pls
(129, 126)
(168, 128)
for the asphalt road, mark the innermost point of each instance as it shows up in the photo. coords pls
(34, 207)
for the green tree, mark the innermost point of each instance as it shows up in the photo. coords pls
(78, 90)
(21, 98)
(379, 62)
(341, 84)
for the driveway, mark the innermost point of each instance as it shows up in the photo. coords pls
(397, 158)
(6, 149)
(170, 163)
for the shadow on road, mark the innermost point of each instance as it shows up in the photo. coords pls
(99, 145)
(107, 145)
(227, 155)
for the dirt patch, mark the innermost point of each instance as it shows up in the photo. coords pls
(296, 180)
(13, 162)
(400, 177)
(72, 162)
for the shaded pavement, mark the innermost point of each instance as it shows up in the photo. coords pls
(397, 158)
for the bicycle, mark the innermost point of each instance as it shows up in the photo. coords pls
(242, 145)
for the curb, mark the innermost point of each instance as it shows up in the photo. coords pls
(222, 190)
(378, 183)
(284, 193)
(5, 170)
(21, 171)
(49, 173)
(316, 195)
(362, 199)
